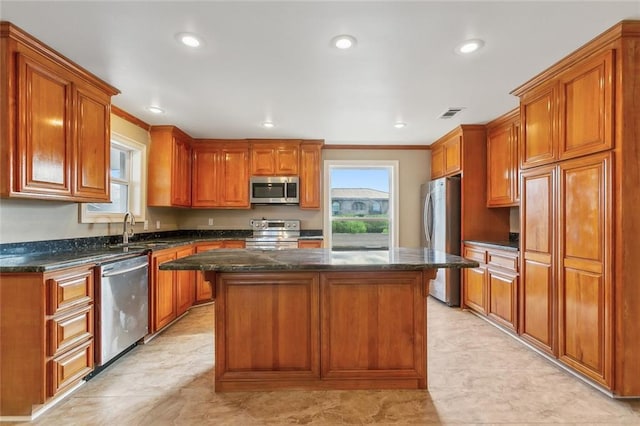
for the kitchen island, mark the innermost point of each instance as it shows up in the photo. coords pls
(320, 319)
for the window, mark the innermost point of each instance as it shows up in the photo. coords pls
(361, 205)
(128, 178)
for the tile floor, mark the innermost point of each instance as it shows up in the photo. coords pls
(477, 375)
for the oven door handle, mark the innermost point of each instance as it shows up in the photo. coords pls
(124, 271)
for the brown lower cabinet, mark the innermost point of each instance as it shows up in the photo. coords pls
(320, 330)
(492, 288)
(46, 323)
(309, 243)
(204, 291)
(172, 292)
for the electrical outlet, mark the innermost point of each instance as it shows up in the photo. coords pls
(210, 221)
(145, 225)
(157, 224)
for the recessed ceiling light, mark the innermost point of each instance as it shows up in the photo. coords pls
(399, 125)
(155, 109)
(268, 124)
(344, 41)
(189, 39)
(469, 46)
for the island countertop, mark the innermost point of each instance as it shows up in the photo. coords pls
(243, 260)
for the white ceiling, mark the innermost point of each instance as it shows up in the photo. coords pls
(272, 60)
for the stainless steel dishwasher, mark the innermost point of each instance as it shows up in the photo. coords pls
(123, 306)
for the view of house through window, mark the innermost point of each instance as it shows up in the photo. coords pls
(361, 213)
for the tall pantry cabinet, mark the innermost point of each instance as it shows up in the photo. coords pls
(580, 241)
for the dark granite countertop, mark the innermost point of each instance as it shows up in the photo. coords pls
(241, 260)
(47, 256)
(43, 262)
(501, 245)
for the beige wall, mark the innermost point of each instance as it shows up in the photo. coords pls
(35, 220)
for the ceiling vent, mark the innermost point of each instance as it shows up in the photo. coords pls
(450, 112)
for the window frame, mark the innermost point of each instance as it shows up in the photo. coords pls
(137, 182)
(394, 194)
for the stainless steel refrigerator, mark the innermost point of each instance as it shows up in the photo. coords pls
(441, 231)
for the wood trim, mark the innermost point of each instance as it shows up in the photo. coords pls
(504, 119)
(176, 131)
(381, 147)
(9, 30)
(130, 118)
(621, 29)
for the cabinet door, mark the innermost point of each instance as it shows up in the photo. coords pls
(185, 284)
(93, 145)
(44, 152)
(537, 298)
(287, 159)
(268, 325)
(500, 166)
(453, 155)
(164, 292)
(516, 161)
(310, 163)
(585, 287)
(69, 368)
(502, 290)
(310, 244)
(279, 158)
(234, 244)
(204, 292)
(538, 110)
(586, 112)
(233, 175)
(263, 161)
(474, 291)
(437, 162)
(181, 173)
(375, 330)
(205, 189)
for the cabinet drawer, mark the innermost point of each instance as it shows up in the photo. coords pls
(474, 253)
(69, 329)
(67, 369)
(503, 259)
(70, 290)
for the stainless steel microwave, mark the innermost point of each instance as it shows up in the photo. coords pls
(275, 190)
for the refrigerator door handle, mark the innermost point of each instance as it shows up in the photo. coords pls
(428, 206)
(431, 213)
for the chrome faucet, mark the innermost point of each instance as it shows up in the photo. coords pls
(126, 233)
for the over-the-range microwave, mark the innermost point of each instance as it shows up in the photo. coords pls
(274, 190)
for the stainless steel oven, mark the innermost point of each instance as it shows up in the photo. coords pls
(123, 306)
(273, 234)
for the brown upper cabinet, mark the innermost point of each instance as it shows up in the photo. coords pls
(215, 173)
(571, 114)
(464, 151)
(169, 163)
(502, 160)
(310, 163)
(446, 158)
(220, 174)
(54, 124)
(275, 157)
